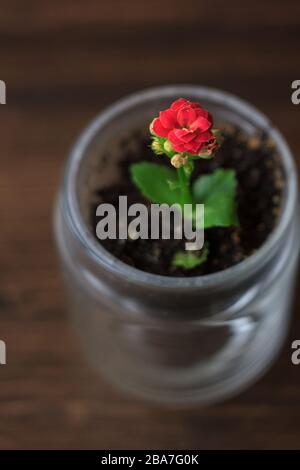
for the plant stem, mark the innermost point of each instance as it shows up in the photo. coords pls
(186, 196)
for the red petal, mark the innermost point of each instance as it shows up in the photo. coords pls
(172, 137)
(201, 123)
(193, 147)
(159, 129)
(210, 118)
(195, 105)
(186, 115)
(184, 135)
(204, 113)
(179, 147)
(204, 137)
(168, 118)
(177, 144)
(179, 103)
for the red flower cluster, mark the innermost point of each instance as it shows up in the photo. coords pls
(187, 126)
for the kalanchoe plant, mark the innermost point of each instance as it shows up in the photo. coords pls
(184, 133)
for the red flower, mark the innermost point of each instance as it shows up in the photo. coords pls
(186, 125)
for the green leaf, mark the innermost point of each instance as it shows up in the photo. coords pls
(152, 180)
(217, 192)
(189, 259)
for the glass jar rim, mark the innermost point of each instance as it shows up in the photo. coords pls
(99, 255)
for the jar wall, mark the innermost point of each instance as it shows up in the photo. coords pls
(181, 360)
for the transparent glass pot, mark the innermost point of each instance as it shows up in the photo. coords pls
(197, 339)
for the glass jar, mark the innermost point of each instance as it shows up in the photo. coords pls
(198, 339)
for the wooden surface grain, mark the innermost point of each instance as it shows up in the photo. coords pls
(63, 61)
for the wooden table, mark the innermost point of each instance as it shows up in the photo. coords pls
(63, 61)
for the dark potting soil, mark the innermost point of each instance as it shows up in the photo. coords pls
(259, 195)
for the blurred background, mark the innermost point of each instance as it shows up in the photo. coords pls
(63, 61)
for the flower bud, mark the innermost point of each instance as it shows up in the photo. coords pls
(157, 147)
(167, 146)
(178, 160)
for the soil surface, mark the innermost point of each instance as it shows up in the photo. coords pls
(259, 195)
